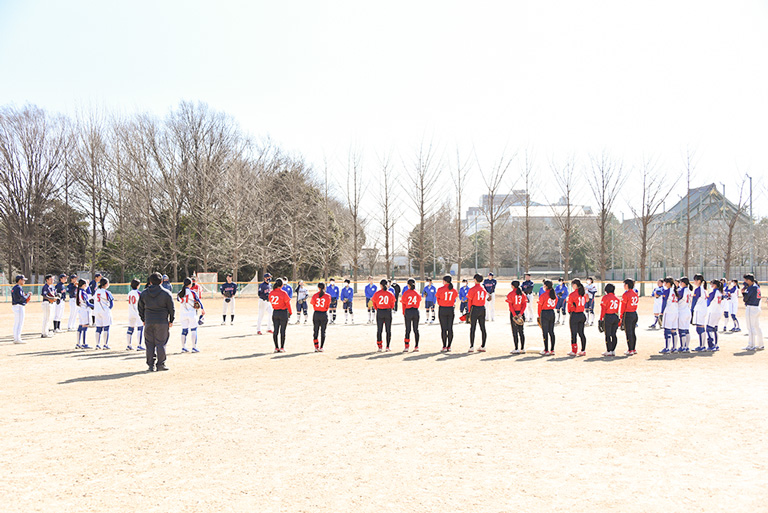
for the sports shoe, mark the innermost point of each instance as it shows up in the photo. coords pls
(282, 349)
(471, 349)
(195, 350)
(184, 350)
(664, 351)
(223, 323)
(760, 348)
(652, 326)
(85, 346)
(581, 353)
(140, 348)
(551, 353)
(607, 353)
(405, 349)
(162, 367)
(447, 349)
(129, 348)
(106, 347)
(97, 346)
(151, 368)
(699, 349)
(736, 330)
(544, 353)
(749, 348)
(444, 349)
(276, 350)
(673, 350)
(571, 354)
(481, 350)
(387, 350)
(269, 331)
(416, 349)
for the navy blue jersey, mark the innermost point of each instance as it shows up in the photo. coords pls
(17, 296)
(751, 295)
(332, 291)
(264, 290)
(228, 289)
(347, 293)
(61, 291)
(489, 285)
(527, 287)
(463, 293)
(48, 291)
(72, 290)
(664, 297)
(92, 287)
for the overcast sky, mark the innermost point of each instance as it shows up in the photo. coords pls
(643, 78)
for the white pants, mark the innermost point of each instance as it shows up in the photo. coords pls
(230, 306)
(18, 322)
(58, 311)
(490, 308)
(46, 317)
(529, 309)
(264, 307)
(753, 325)
(72, 324)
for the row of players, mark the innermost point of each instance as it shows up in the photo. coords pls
(677, 302)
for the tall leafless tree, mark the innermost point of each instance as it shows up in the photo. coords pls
(733, 243)
(387, 207)
(606, 179)
(422, 189)
(354, 196)
(459, 186)
(563, 211)
(689, 166)
(495, 206)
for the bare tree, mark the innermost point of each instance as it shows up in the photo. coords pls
(655, 189)
(387, 208)
(734, 244)
(495, 205)
(606, 179)
(459, 185)
(422, 190)
(32, 151)
(565, 179)
(354, 193)
(689, 166)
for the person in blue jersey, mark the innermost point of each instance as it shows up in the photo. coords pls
(84, 308)
(589, 309)
(48, 294)
(397, 290)
(463, 297)
(333, 293)
(265, 307)
(699, 310)
(72, 295)
(347, 295)
(669, 315)
(61, 299)
(489, 284)
(92, 286)
(657, 294)
(429, 293)
(543, 288)
(166, 284)
(527, 287)
(751, 295)
(561, 290)
(287, 287)
(731, 305)
(228, 291)
(370, 290)
(714, 311)
(19, 300)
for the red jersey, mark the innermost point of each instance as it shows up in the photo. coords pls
(629, 302)
(446, 296)
(517, 302)
(280, 300)
(383, 300)
(320, 304)
(609, 305)
(410, 299)
(576, 302)
(477, 296)
(546, 302)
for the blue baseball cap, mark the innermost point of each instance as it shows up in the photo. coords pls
(267, 275)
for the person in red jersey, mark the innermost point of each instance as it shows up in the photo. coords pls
(628, 315)
(518, 302)
(383, 302)
(609, 319)
(411, 301)
(446, 301)
(320, 303)
(576, 302)
(547, 305)
(281, 311)
(477, 298)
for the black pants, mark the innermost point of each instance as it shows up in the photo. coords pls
(319, 323)
(477, 316)
(412, 323)
(383, 320)
(630, 323)
(155, 338)
(548, 329)
(577, 321)
(517, 330)
(446, 315)
(279, 323)
(611, 326)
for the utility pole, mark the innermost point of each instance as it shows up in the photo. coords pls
(752, 231)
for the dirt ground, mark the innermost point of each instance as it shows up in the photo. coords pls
(237, 428)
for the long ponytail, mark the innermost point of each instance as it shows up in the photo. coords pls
(321, 287)
(516, 288)
(447, 279)
(183, 291)
(79, 289)
(579, 286)
(548, 286)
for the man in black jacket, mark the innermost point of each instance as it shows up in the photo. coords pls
(157, 312)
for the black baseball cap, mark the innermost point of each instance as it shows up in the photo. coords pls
(62, 275)
(20, 277)
(267, 275)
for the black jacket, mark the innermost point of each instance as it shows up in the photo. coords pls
(156, 305)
